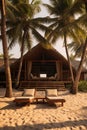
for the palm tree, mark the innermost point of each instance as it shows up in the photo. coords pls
(79, 6)
(5, 50)
(84, 22)
(64, 25)
(81, 49)
(24, 25)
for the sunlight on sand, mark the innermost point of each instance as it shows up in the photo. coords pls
(41, 116)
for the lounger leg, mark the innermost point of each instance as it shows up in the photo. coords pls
(62, 104)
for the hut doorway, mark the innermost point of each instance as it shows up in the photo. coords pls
(43, 69)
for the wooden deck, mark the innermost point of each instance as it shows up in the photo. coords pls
(42, 85)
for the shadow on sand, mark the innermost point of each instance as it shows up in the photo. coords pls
(48, 126)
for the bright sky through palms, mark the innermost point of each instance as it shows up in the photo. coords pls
(58, 45)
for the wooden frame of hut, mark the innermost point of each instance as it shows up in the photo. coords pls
(42, 68)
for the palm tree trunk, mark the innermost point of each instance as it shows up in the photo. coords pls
(20, 64)
(19, 71)
(5, 51)
(70, 66)
(75, 85)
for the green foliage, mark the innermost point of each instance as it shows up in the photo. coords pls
(65, 11)
(82, 86)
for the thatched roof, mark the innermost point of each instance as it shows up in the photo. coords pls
(40, 52)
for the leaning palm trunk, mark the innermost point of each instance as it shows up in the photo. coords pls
(5, 51)
(75, 85)
(19, 71)
(71, 71)
(20, 64)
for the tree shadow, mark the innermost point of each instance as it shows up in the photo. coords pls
(11, 105)
(85, 108)
(47, 126)
(40, 105)
(45, 106)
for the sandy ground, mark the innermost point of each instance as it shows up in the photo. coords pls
(41, 116)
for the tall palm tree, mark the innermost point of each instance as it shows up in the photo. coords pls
(84, 22)
(64, 25)
(24, 26)
(5, 50)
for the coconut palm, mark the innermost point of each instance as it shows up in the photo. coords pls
(5, 50)
(24, 26)
(83, 22)
(64, 24)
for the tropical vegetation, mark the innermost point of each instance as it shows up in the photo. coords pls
(82, 86)
(66, 25)
(67, 19)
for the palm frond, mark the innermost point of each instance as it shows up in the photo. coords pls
(14, 34)
(40, 26)
(76, 48)
(38, 36)
(46, 20)
(24, 10)
(76, 7)
(27, 41)
(36, 6)
(50, 9)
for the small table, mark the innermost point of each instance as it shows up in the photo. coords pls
(40, 98)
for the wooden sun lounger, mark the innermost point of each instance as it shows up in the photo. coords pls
(23, 100)
(26, 98)
(54, 100)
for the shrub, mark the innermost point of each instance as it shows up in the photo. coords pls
(82, 86)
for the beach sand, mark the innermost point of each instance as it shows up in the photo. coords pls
(41, 116)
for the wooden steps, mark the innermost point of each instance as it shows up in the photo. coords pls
(42, 85)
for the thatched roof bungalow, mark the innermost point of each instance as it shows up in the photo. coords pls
(42, 68)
